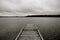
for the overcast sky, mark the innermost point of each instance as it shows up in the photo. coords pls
(28, 7)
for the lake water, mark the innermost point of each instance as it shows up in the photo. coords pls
(48, 26)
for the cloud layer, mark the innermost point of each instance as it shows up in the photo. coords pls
(25, 7)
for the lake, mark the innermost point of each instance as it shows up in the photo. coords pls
(48, 26)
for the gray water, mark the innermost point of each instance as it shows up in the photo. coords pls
(48, 26)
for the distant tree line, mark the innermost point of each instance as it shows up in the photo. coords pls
(43, 16)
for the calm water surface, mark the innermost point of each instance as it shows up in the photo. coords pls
(48, 26)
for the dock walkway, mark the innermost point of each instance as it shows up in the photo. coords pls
(30, 32)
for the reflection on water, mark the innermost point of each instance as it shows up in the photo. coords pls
(49, 27)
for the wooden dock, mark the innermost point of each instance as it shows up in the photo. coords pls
(30, 32)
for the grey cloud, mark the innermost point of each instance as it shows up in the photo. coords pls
(30, 6)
